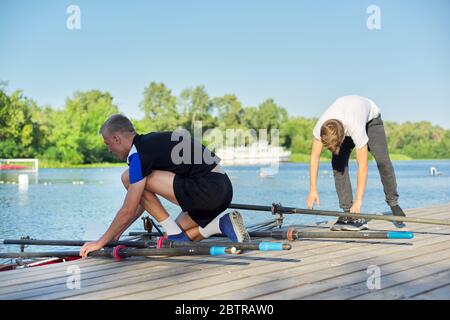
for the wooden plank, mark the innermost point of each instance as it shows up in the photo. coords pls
(202, 273)
(247, 296)
(167, 262)
(213, 264)
(57, 279)
(428, 278)
(252, 268)
(255, 270)
(25, 272)
(442, 293)
(178, 268)
(43, 269)
(305, 287)
(61, 273)
(97, 289)
(392, 275)
(314, 246)
(37, 275)
(307, 274)
(177, 280)
(111, 280)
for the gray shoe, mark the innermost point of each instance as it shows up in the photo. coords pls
(339, 224)
(355, 225)
(398, 212)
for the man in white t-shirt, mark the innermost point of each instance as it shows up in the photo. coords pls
(352, 121)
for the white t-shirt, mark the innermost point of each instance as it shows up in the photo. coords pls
(354, 112)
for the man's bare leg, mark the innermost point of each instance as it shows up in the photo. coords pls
(161, 183)
(190, 227)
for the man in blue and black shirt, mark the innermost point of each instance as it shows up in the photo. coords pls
(178, 168)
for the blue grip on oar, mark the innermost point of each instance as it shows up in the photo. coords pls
(215, 251)
(400, 235)
(270, 246)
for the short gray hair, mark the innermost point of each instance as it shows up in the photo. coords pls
(117, 123)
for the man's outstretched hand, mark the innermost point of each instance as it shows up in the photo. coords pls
(356, 207)
(89, 247)
(313, 196)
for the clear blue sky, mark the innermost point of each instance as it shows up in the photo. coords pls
(304, 54)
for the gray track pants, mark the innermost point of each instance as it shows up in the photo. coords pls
(378, 148)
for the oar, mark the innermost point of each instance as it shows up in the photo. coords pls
(295, 234)
(258, 245)
(121, 252)
(161, 243)
(289, 210)
(71, 243)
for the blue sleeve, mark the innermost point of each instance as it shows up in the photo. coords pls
(135, 169)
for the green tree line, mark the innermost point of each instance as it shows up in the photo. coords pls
(70, 135)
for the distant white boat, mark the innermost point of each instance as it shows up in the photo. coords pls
(257, 153)
(434, 172)
(267, 173)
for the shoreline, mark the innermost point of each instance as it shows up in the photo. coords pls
(119, 164)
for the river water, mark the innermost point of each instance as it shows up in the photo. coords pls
(80, 203)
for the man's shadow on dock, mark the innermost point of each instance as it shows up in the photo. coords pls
(324, 225)
(228, 260)
(357, 241)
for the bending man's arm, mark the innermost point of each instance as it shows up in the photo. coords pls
(139, 211)
(313, 195)
(123, 218)
(363, 168)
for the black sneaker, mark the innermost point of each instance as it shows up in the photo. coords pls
(398, 212)
(355, 225)
(339, 224)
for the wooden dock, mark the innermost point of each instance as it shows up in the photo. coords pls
(313, 269)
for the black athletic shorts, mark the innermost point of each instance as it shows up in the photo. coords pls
(203, 197)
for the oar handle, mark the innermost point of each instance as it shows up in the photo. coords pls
(257, 245)
(122, 252)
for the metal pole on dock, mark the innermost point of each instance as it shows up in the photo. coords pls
(124, 252)
(295, 234)
(278, 209)
(292, 234)
(162, 243)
